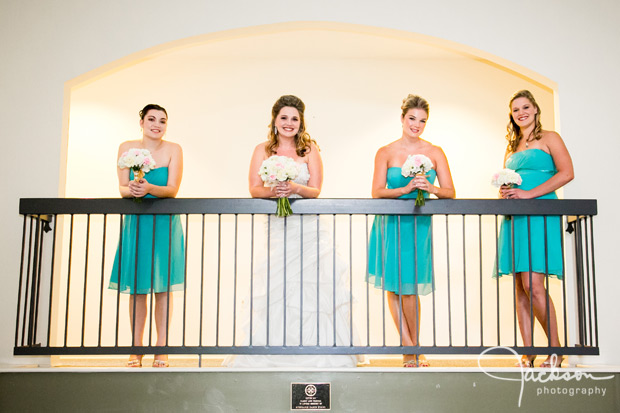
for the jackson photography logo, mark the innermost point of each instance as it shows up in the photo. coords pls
(549, 376)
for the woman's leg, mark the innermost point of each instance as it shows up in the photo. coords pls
(538, 295)
(137, 325)
(163, 312)
(410, 323)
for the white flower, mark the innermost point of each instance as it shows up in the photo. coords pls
(278, 169)
(506, 177)
(137, 159)
(416, 164)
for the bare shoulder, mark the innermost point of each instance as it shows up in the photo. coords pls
(260, 148)
(314, 151)
(550, 136)
(436, 150)
(552, 140)
(172, 147)
(314, 147)
(388, 149)
(125, 146)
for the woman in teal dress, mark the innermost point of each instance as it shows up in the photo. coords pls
(542, 160)
(154, 273)
(399, 256)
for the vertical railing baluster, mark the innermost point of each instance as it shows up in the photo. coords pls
(464, 280)
(33, 284)
(202, 283)
(448, 278)
(118, 281)
(234, 326)
(38, 286)
(334, 277)
(101, 286)
(400, 282)
(415, 282)
(68, 281)
(268, 277)
(53, 260)
(587, 276)
(219, 279)
(301, 280)
(595, 343)
(562, 256)
(529, 255)
(86, 249)
(19, 288)
(432, 234)
(151, 293)
(383, 224)
(580, 271)
(185, 275)
(25, 325)
(546, 283)
(366, 217)
(495, 219)
(252, 278)
(480, 266)
(134, 293)
(514, 277)
(318, 277)
(285, 234)
(351, 280)
(169, 277)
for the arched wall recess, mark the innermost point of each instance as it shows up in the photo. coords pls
(219, 87)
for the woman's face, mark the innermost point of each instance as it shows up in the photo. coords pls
(154, 124)
(287, 122)
(523, 112)
(414, 122)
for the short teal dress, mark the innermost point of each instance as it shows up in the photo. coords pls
(535, 167)
(152, 274)
(416, 272)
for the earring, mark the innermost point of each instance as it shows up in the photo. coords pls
(275, 131)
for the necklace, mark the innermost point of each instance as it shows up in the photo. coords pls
(527, 142)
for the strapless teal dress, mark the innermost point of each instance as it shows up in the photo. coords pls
(152, 271)
(535, 167)
(415, 276)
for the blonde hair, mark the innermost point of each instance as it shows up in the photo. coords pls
(414, 102)
(515, 134)
(303, 141)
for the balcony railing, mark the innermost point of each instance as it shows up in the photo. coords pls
(64, 304)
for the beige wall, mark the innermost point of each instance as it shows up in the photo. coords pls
(45, 46)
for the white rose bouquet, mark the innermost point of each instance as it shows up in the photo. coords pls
(508, 177)
(139, 161)
(414, 165)
(279, 169)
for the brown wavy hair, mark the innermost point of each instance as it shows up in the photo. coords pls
(514, 134)
(414, 102)
(303, 141)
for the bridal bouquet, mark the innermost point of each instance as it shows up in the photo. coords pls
(279, 169)
(508, 177)
(414, 165)
(139, 161)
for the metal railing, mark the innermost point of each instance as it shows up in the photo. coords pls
(69, 246)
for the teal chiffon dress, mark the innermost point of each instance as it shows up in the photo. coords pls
(415, 275)
(535, 167)
(154, 271)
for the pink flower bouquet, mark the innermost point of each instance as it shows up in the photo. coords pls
(279, 169)
(414, 165)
